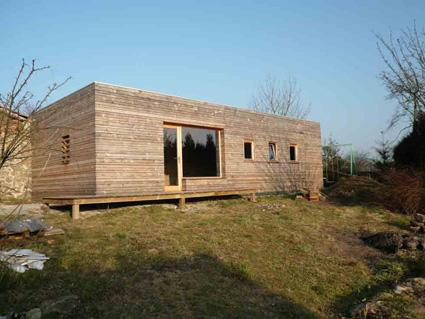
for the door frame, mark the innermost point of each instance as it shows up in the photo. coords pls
(178, 187)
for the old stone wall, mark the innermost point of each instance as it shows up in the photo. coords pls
(15, 181)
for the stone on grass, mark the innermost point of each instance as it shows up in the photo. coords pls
(53, 232)
(415, 223)
(33, 314)
(420, 218)
(62, 305)
(403, 289)
(410, 242)
(415, 229)
(373, 309)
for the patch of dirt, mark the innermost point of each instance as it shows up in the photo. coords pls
(273, 208)
(348, 245)
(200, 207)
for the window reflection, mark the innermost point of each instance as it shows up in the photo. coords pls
(200, 152)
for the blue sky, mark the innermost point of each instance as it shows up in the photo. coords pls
(218, 51)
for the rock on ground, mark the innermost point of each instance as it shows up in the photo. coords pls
(33, 314)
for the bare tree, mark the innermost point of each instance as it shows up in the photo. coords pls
(280, 98)
(404, 77)
(17, 108)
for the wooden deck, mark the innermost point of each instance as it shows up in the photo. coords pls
(76, 201)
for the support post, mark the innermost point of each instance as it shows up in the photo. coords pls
(182, 202)
(75, 211)
(253, 198)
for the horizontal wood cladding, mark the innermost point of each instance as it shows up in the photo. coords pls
(71, 118)
(129, 147)
(116, 145)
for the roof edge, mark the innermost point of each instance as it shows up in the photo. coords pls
(245, 109)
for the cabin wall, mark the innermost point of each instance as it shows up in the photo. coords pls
(129, 144)
(74, 116)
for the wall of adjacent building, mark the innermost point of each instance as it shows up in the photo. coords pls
(15, 180)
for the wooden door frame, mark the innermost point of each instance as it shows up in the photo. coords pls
(178, 187)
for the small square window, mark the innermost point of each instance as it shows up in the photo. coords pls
(293, 153)
(66, 144)
(272, 152)
(248, 150)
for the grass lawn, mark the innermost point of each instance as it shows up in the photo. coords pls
(277, 258)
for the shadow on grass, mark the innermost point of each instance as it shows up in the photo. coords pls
(145, 286)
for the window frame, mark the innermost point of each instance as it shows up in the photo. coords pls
(275, 152)
(179, 126)
(251, 142)
(296, 160)
(219, 157)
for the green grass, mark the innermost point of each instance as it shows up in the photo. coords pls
(221, 259)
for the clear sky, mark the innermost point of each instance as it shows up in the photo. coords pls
(218, 51)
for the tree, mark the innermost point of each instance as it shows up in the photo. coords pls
(332, 159)
(361, 161)
(280, 98)
(384, 150)
(17, 108)
(404, 76)
(410, 151)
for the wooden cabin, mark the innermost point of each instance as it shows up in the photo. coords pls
(107, 143)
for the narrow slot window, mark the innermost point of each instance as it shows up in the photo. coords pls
(248, 150)
(272, 152)
(293, 156)
(66, 144)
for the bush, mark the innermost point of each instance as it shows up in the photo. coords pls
(410, 151)
(357, 190)
(400, 190)
(405, 190)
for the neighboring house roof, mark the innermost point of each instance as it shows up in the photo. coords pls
(13, 114)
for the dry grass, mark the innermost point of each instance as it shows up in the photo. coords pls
(221, 259)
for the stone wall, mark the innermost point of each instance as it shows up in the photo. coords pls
(15, 181)
(15, 175)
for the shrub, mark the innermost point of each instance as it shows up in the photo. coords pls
(357, 190)
(400, 190)
(405, 190)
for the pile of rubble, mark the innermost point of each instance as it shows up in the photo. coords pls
(417, 224)
(412, 291)
(26, 228)
(392, 242)
(21, 260)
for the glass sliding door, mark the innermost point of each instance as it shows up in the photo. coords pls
(172, 158)
(190, 152)
(200, 150)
